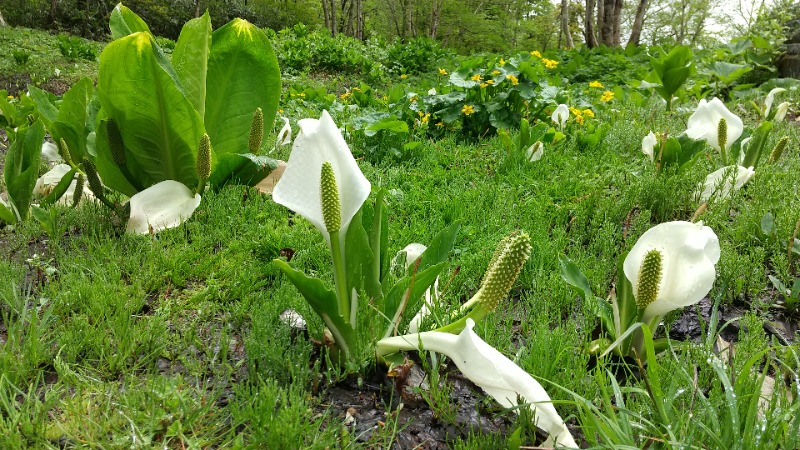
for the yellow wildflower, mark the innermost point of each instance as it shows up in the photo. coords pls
(356, 89)
(514, 80)
(575, 111)
(414, 99)
(468, 110)
(440, 124)
(11, 97)
(476, 77)
(502, 62)
(536, 54)
(442, 71)
(483, 85)
(490, 82)
(346, 95)
(596, 84)
(495, 72)
(425, 118)
(579, 119)
(280, 111)
(549, 63)
(588, 113)
(403, 76)
(607, 96)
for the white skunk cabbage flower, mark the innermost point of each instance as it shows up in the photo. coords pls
(163, 205)
(672, 266)
(770, 99)
(705, 124)
(493, 372)
(285, 135)
(47, 182)
(560, 115)
(50, 153)
(412, 253)
(780, 111)
(535, 151)
(318, 142)
(719, 184)
(648, 145)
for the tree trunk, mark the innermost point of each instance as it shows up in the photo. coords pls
(197, 4)
(607, 26)
(616, 22)
(409, 26)
(638, 22)
(2, 21)
(588, 25)
(359, 21)
(568, 43)
(436, 9)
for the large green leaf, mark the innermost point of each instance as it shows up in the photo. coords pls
(124, 22)
(160, 128)
(757, 144)
(7, 214)
(322, 301)
(190, 59)
(22, 167)
(672, 70)
(414, 286)
(69, 120)
(243, 75)
(245, 169)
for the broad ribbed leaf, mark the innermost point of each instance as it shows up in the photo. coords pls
(190, 59)
(160, 128)
(243, 75)
(22, 167)
(125, 22)
(245, 169)
(68, 121)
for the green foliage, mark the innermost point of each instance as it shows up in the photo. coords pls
(76, 48)
(415, 56)
(21, 171)
(201, 90)
(672, 70)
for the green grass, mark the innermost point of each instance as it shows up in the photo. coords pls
(109, 340)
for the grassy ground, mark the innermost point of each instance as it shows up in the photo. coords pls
(109, 340)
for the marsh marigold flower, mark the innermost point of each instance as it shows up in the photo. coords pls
(607, 96)
(502, 62)
(596, 84)
(442, 71)
(468, 110)
(549, 63)
(490, 82)
(536, 53)
(403, 76)
(588, 113)
(476, 77)
(514, 80)
(483, 85)
(495, 72)
(579, 118)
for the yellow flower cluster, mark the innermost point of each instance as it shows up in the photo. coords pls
(514, 80)
(346, 95)
(424, 117)
(468, 110)
(607, 97)
(581, 115)
(442, 71)
(476, 77)
(595, 84)
(536, 53)
(502, 62)
(403, 76)
(495, 72)
(301, 94)
(549, 63)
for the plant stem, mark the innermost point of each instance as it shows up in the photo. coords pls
(340, 276)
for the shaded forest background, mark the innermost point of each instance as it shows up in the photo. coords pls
(464, 25)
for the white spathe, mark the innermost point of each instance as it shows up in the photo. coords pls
(560, 115)
(720, 183)
(780, 111)
(704, 123)
(648, 144)
(285, 135)
(50, 153)
(412, 252)
(689, 252)
(163, 205)
(320, 141)
(535, 151)
(493, 372)
(770, 99)
(47, 182)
